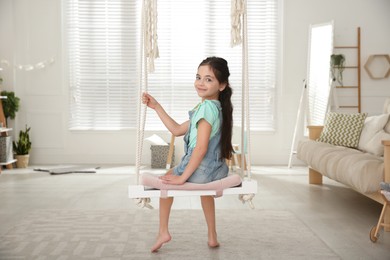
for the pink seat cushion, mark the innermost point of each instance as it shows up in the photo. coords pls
(218, 185)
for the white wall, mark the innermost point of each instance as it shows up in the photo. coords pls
(31, 31)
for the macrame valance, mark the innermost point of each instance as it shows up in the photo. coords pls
(238, 9)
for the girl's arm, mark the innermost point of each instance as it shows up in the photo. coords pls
(175, 128)
(200, 150)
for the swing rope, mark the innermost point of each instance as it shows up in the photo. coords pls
(149, 52)
(246, 94)
(239, 16)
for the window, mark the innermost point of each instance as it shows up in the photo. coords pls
(103, 38)
(102, 44)
(319, 81)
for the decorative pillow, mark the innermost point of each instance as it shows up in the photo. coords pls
(342, 129)
(375, 146)
(387, 127)
(372, 126)
(386, 106)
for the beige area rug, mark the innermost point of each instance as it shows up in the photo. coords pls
(119, 234)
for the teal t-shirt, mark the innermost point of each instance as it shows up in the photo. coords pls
(208, 110)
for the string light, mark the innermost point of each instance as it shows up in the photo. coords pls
(29, 67)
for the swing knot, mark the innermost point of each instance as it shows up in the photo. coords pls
(247, 198)
(143, 203)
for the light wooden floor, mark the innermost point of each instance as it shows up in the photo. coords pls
(339, 216)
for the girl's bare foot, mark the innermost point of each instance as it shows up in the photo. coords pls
(213, 242)
(161, 239)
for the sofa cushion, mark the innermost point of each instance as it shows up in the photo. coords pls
(370, 138)
(358, 170)
(343, 129)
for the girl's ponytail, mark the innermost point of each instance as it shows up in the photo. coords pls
(221, 71)
(227, 122)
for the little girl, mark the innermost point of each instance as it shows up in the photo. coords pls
(207, 141)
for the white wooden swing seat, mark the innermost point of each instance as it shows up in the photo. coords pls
(153, 187)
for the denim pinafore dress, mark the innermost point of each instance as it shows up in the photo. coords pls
(213, 166)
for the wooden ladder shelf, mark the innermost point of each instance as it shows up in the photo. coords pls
(358, 68)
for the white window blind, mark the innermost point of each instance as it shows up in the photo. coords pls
(103, 40)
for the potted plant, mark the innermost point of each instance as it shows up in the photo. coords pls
(22, 148)
(337, 62)
(10, 104)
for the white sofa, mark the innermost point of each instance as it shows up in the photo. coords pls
(363, 168)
